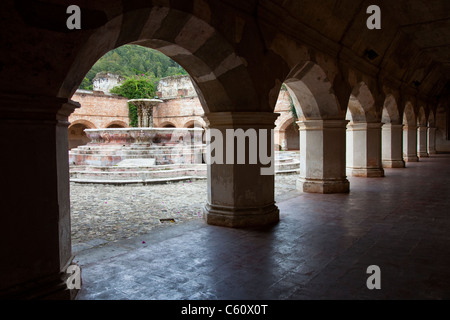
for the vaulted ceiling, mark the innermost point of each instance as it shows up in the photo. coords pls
(411, 51)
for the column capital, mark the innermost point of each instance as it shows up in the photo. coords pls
(321, 124)
(422, 128)
(355, 126)
(392, 126)
(409, 127)
(238, 119)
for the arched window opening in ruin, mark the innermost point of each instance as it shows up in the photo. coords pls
(77, 135)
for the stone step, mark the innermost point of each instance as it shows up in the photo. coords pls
(138, 168)
(137, 175)
(135, 181)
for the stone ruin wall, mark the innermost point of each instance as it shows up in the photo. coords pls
(99, 110)
(181, 109)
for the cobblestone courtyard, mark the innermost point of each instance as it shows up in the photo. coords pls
(105, 213)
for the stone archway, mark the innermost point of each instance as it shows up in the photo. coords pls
(168, 125)
(363, 134)
(322, 130)
(77, 137)
(291, 135)
(117, 124)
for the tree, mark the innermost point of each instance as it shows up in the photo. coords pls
(136, 87)
(131, 60)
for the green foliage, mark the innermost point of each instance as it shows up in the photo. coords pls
(136, 87)
(86, 85)
(132, 114)
(131, 60)
(291, 106)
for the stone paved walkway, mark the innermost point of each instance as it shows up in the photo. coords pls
(320, 249)
(105, 213)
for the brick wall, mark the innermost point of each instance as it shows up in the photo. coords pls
(99, 110)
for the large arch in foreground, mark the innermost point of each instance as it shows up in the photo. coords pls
(228, 96)
(322, 130)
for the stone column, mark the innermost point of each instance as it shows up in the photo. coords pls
(322, 156)
(392, 146)
(35, 232)
(432, 140)
(410, 143)
(422, 141)
(364, 149)
(239, 195)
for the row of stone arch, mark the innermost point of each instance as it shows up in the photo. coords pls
(238, 61)
(338, 117)
(238, 78)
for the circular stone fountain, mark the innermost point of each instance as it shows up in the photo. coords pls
(139, 155)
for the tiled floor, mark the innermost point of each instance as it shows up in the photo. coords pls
(320, 249)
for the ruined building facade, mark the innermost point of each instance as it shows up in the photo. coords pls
(181, 109)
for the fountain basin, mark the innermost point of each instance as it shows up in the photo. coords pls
(109, 147)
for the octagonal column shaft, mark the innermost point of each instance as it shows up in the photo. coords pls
(422, 142)
(240, 195)
(432, 140)
(364, 149)
(410, 143)
(392, 146)
(322, 156)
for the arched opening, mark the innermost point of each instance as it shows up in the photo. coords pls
(431, 120)
(291, 135)
(77, 135)
(128, 219)
(322, 130)
(431, 133)
(422, 117)
(193, 124)
(211, 74)
(409, 116)
(168, 125)
(117, 124)
(363, 134)
(361, 105)
(390, 113)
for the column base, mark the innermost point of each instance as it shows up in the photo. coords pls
(49, 288)
(241, 217)
(422, 154)
(393, 163)
(411, 159)
(366, 172)
(323, 186)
